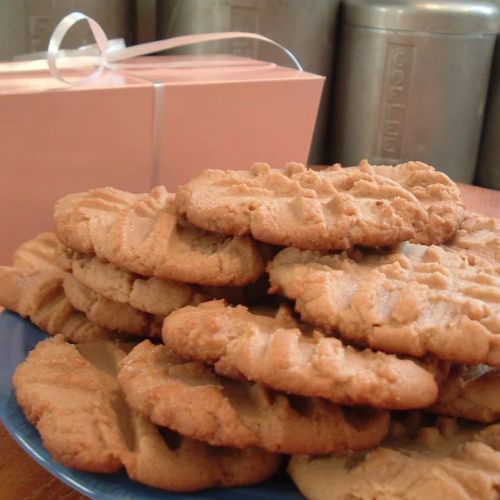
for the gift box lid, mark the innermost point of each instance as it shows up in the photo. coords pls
(20, 77)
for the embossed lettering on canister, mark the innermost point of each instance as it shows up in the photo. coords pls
(397, 79)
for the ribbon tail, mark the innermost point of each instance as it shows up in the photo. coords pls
(182, 41)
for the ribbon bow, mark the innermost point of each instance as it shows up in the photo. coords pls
(108, 55)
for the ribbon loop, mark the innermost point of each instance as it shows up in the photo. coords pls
(57, 37)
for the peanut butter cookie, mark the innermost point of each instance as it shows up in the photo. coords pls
(479, 237)
(37, 253)
(412, 299)
(142, 234)
(277, 352)
(335, 208)
(188, 397)
(109, 314)
(33, 288)
(151, 295)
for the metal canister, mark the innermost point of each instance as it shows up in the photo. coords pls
(488, 166)
(26, 25)
(306, 27)
(412, 81)
(13, 34)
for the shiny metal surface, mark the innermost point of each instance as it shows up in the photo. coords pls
(403, 95)
(306, 27)
(13, 34)
(488, 167)
(438, 16)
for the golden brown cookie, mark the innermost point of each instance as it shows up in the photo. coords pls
(413, 299)
(441, 462)
(325, 210)
(73, 397)
(109, 314)
(471, 392)
(142, 234)
(188, 397)
(479, 238)
(438, 195)
(71, 405)
(39, 296)
(151, 295)
(277, 352)
(33, 289)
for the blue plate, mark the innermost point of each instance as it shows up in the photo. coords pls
(17, 338)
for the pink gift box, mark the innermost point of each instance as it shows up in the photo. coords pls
(155, 120)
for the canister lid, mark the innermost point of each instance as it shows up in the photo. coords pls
(444, 16)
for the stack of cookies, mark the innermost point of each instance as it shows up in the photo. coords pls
(381, 293)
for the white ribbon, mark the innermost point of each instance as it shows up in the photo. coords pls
(60, 32)
(107, 58)
(83, 50)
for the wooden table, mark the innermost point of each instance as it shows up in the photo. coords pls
(23, 478)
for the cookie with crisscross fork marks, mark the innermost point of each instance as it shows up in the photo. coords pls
(142, 234)
(189, 397)
(436, 462)
(33, 288)
(412, 299)
(277, 352)
(330, 209)
(73, 397)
